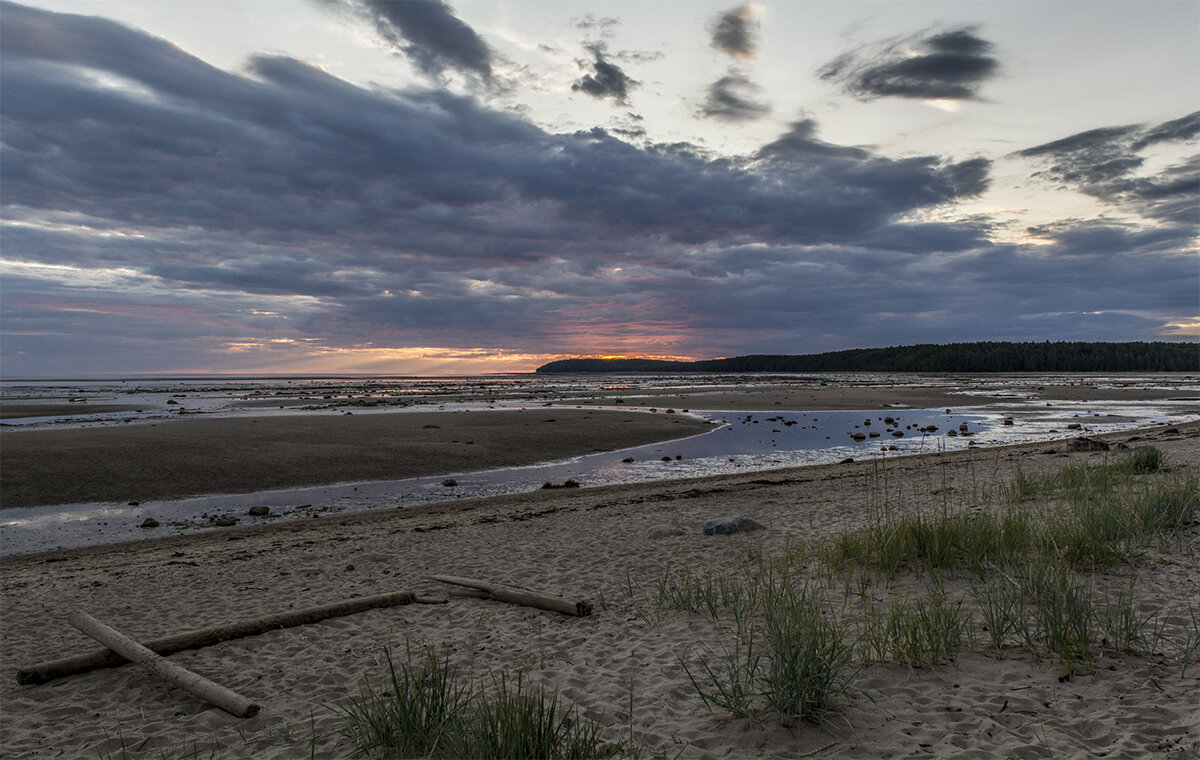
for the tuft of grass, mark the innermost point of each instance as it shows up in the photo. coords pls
(789, 655)
(1059, 614)
(808, 653)
(430, 711)
(1127, 628)
(1145, 460)
(415, 713)
(518, 721)
(917, 632)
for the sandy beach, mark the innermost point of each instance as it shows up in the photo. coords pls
(622, 666)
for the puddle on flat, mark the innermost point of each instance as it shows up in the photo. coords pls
(745, 441)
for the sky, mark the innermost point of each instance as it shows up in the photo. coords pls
(363, 186)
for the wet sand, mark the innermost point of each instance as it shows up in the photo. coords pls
(194, 456)
(587, 544)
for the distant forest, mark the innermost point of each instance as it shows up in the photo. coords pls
(953, 357)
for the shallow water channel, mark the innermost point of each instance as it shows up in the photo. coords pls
(744, 441)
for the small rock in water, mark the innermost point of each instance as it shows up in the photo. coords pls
(259, 511)
(627, 460)
(449, 482)
(663, 531)
(1074, 426)
(723, 526)
(149, 522)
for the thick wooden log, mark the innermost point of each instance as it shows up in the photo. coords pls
(194, 684)
(106, 658)
(520, 596)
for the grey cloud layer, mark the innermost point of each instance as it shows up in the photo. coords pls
(424, 218)
(933, 65)
(732, 98)
(427, 32)
(734, 33)
(606, 79)
(1102, 163)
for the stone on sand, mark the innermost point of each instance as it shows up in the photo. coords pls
(723, 526)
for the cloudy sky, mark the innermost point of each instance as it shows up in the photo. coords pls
(315, 186)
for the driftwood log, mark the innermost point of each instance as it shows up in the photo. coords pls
(106, 658)
(194, 684)
(520, 596)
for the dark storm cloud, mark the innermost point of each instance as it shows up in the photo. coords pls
(734, 32)
(1103, 163)
(950, 65)
(606, 79)
(1178, 130)
(731, 98)
(174, 193)
(427, 32)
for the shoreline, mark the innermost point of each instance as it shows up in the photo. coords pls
(1042, 453)
(589, 543)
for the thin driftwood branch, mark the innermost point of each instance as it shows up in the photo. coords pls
(520, 596)
(106, 658)
(194, 684)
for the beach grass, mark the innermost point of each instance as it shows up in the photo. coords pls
(430, 710)
(1014, 570)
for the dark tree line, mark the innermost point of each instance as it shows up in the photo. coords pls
(954, 357)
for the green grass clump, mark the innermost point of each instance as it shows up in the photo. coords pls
(430, 711)
(789, 656)
(917, 632)
(1145, 460)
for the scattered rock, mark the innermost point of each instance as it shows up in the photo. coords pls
(259, 511)
(847, 460)
(1007, 421)
(723, 526)
(135, 503)
(149, 522)
(873, 434)
(1171, 431)
(666, 459)
(1086, 444)
(952, 432)
(172, 401)
(858, 436)
(663, 531)
(1074, 426)
(225, 521)
(449, 482)
(431, 427)
(898, 433)
(627, 460)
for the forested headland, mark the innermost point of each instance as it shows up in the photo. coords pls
(953, 357)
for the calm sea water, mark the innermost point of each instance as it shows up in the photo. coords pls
(744, 441)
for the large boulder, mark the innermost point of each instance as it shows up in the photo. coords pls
(723, 526)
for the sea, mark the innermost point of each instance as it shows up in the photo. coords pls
(741, 441)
